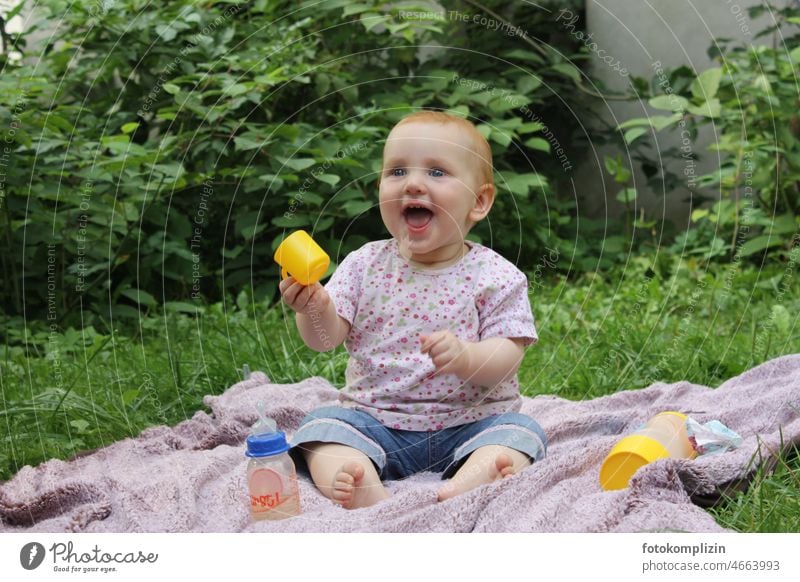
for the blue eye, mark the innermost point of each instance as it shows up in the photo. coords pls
(436, 172)
(396, 172)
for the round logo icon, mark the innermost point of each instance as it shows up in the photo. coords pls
(31, 555)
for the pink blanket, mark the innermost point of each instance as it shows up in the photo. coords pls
(190, 478)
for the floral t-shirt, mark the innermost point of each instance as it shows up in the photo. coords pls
(390, 304)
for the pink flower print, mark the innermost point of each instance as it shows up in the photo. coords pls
(451, 302)
(413, 295)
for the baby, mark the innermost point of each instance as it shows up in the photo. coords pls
(435, 327)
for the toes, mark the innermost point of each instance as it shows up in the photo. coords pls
(354, 469)
(503, 466)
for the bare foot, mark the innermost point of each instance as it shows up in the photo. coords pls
(462, 482)
(503, 467)
(351, 491)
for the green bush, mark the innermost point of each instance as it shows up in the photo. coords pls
(751, 102)
(159, 152)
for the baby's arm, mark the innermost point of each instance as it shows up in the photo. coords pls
(321, 328)
(485, 363)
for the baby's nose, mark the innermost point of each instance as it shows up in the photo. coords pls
(415, 183)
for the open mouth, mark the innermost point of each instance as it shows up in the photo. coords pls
(417, 217)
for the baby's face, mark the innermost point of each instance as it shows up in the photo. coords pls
(429, 181)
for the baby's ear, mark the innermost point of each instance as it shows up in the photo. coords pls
(484, 198)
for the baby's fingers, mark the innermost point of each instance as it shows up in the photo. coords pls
(428, 342)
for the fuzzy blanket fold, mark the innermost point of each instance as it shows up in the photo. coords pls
(191, 477)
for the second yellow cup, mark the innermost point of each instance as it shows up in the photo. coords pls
(302, 258)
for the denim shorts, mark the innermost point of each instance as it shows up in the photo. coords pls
(400, 453)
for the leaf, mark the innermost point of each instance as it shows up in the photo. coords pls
(139, 296)
(706, 84)
(357, 207)
(166, 32)
(80, 425)
(355, 9)
(129, 127)
(569, 70)
(184, 307)
(631, 135)
(699, 213)
(501, 137)
(538, 143)
(710, 108)
(782, 319)
(759, 243)
(634, 122)
(524, 55)
(291, 220)
(236, 89)
(530, 127)
(171, 88)
(331, 179)
(129, 397)
(783, 224)
(669, 102)
(521, 184)
(299, 163)
(660, 122)
(125, 311)
(243, 144)
(762, 83)
(626, 195)
(529, 84)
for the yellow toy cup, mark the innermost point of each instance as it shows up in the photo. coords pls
(663, 436)
(302, 258)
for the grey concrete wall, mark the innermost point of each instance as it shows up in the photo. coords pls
(639, 35)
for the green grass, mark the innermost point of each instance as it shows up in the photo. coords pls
(84, 389)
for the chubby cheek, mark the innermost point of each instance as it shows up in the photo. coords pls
(390, 213)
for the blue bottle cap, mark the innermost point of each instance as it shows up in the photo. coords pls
(266, 445)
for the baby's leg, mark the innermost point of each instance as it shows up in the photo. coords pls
(484, 465)
(344, 475)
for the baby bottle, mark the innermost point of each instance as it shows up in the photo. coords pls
(662, 436)
(271, 476)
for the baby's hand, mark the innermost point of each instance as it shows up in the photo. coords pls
(304, 299)
(449, 354)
